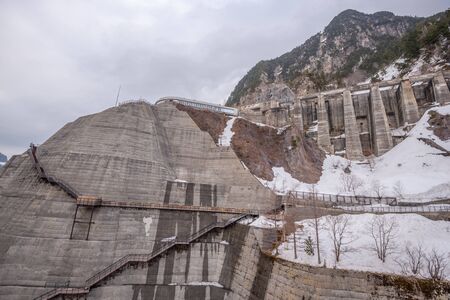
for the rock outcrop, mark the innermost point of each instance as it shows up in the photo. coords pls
(352, 48)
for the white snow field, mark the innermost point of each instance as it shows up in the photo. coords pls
(412, 230)
(413, 167)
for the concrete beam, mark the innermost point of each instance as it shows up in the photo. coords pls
(353, 148)
(440, 89)
(297, 113)
(323, 128)
(386, 83)
(408, 103)
(381, 133)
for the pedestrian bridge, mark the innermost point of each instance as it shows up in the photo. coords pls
(200, 105)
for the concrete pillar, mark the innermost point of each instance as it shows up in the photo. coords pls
(381, 133)
(323, 128)
(353, 148)
(408, 103)
(440, 89)
(297, 114)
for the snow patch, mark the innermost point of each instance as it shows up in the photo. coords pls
(147, 222)
(282, 181)
(264, 222)
(180, 181)
(361, 92)
(391, 71)
(169, 239)
(227, 134)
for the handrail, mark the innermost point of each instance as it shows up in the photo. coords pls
(398, 209)
(346, 199)
(32, 152)
(200, 104)
(92, 201)
(129, 258)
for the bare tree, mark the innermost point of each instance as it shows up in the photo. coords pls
(377, 188)
(339, 232)
(413, 261)
(398, 189)
(436, 265)
(350, 183)
(383, 231)
(316, 221)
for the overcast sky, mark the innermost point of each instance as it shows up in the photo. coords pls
(63, 59)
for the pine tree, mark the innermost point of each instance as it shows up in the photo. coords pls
(309, 246)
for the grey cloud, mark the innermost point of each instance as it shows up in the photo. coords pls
(60, 60)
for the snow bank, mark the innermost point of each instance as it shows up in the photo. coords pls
(227, 134)
(412, 230)
(263, 222)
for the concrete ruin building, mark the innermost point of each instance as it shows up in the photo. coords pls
(360, 120)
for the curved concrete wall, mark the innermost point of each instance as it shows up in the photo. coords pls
(130, 153)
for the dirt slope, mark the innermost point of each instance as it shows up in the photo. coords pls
(261, 148)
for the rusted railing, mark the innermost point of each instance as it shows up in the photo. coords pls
(132, 258)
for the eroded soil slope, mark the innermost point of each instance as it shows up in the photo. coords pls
(440, 125)
(261, 148)
(213, 123)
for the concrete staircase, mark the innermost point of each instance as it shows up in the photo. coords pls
(135, 258)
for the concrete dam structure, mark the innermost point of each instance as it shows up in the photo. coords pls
(360, 120)
(136, 202)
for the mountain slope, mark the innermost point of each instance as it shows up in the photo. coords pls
(353, 47)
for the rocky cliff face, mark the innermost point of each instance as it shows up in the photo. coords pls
(353, 47)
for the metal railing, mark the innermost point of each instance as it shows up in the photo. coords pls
(172, 206)
(133, 101)
(398, 209)
(345, 199)
(32, 152)
(200, 105)
(132, 258)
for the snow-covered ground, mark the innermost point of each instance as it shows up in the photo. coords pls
(412, 230)
(412, 170)
(391, 71)
(263, 222)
